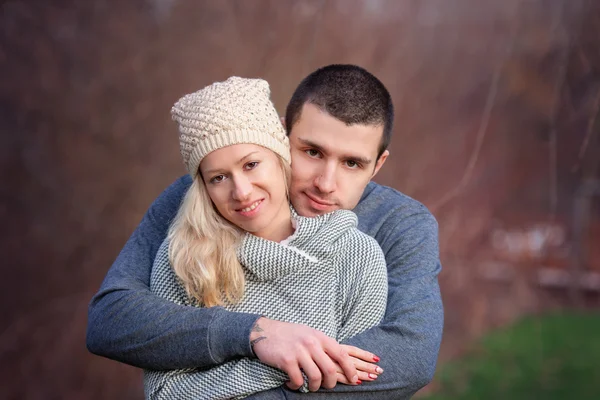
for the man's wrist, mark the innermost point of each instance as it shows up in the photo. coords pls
(228, 335)
(257, 334)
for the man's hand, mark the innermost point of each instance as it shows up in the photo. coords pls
(292, 347)
(364, 362)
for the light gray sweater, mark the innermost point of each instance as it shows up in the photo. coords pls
(328, 275)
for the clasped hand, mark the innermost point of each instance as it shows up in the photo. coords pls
(294, 348)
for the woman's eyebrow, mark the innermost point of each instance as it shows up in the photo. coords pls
(212, 171)
(247, 156)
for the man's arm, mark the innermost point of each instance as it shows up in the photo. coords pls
(127, 323)
(408, 338)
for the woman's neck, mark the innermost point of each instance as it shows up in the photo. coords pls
(281, 227)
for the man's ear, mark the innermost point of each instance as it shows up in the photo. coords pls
(282, 119)
(380, 162)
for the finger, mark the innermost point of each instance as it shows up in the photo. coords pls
(367, 367)
(291, 386)
(341, 378)
(312, 372)
(340, 356)
(327, 367)
(295, 376)
(360, 353)
(362, 375)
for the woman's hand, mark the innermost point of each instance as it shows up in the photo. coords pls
(364, 362)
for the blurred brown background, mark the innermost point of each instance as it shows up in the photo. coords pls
(496, 131)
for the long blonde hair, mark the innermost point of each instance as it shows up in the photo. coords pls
(203, 247)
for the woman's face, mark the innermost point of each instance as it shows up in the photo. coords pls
(246, 184)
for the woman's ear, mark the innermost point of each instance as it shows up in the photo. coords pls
(282, 119)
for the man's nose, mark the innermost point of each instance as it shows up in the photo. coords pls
(326, 180)
(242, 188)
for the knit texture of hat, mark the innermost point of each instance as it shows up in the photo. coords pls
(235, 111)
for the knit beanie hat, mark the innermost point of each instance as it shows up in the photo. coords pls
(236, 111)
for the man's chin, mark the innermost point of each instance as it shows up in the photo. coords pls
(306, 210)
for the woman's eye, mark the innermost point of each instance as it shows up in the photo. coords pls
(251, 165)
(217, 179)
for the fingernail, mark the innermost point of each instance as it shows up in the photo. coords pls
(379, 370)
(359, 382)
(376, 359)
(372, 376)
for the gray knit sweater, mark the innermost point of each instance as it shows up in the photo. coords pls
(327, 275)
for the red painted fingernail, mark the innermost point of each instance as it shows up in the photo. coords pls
(376, 359)
(359, 382)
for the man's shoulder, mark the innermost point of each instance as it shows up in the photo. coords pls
(182, 184)
(381, 201)
(386, 214)
(173, 194)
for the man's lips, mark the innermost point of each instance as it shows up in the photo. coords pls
(319, 202)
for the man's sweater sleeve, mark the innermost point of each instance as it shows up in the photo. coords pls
(408, 338)
(127, 323)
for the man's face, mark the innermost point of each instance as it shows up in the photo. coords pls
(331, 162)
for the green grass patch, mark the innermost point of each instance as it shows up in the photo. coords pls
(549, 357)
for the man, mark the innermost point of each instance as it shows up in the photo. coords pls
(339, 122)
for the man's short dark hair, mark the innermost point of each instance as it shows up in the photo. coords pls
(348, 93)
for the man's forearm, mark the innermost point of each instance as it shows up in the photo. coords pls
(127, 323)
(408, 339)
(135, 327)
(408, 349)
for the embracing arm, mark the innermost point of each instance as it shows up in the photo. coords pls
(408, 338)
(127, 323)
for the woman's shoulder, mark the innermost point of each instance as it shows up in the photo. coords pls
(358, 250)
(361, 244)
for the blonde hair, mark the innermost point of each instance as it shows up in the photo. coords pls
(203, 246)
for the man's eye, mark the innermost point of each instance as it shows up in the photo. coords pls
(251, 165)
(312, 152)
(352, 164)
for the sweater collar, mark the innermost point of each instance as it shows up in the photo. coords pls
(314, 240)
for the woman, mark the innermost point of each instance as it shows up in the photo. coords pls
(236, 242)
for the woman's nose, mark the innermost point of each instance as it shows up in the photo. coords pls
(242, 189)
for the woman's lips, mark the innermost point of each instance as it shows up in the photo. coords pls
(251, 209)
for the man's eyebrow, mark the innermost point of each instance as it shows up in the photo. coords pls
(310, 143)
(358, 159)
(353, 157)
(211, 171)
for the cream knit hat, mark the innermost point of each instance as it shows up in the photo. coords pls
(236, 111)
